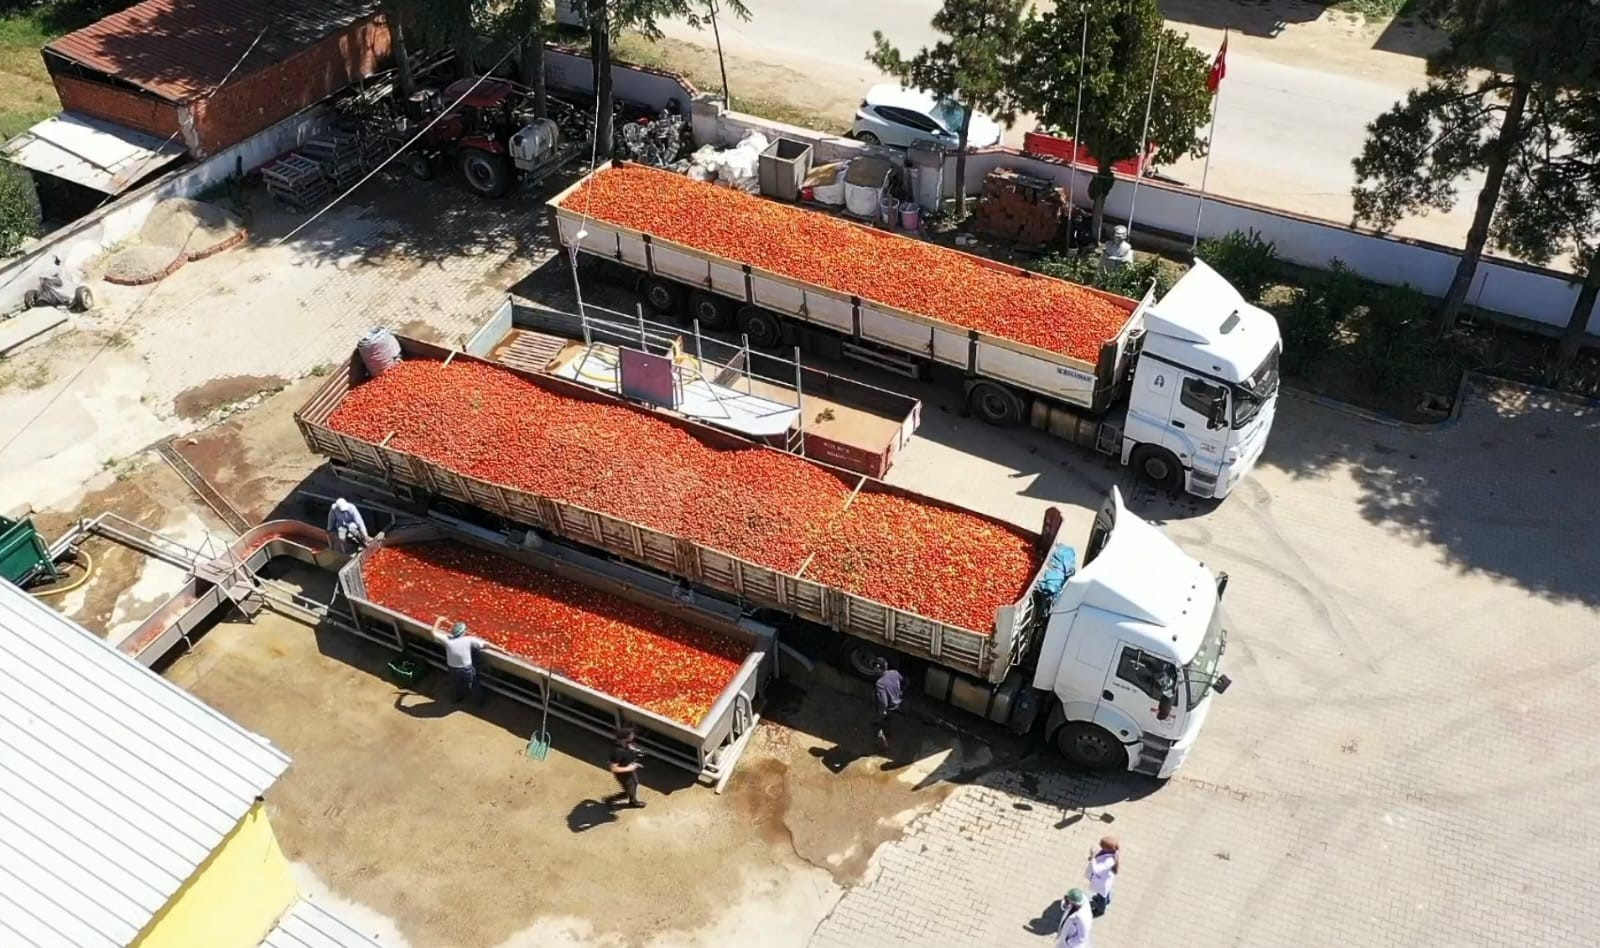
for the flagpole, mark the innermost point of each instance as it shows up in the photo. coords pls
(1144, 134)
(1077, 117)
(1200, 206)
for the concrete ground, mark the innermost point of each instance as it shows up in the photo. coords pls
(1402, 760)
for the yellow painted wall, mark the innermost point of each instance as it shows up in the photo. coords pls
(233, 899)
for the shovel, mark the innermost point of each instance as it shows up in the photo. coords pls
(539, 743)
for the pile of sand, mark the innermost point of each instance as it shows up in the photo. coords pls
(194, 227)
(142, 263)
(178, 230)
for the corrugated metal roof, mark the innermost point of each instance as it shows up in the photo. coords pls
(181, 49)
(309, 925)
(90, 151)
(115, 784)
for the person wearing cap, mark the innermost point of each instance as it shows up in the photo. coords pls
(887, 694)
(460, 658)
(1105, 862)
(347, 532)
(1076, 920)
(626, 760)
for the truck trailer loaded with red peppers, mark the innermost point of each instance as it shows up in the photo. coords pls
(1114, 660)
(1183, 389)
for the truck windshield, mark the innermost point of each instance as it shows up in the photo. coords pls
(1254, 392)
(1201, 672)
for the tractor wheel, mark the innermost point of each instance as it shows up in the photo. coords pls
(487, 174)
(420, 166)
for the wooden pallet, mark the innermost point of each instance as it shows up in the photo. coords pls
(528, 351)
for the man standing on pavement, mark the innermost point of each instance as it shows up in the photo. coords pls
(887, 693)
(460, 657)
(1104, 864)
(1076, 920)
(625, 764)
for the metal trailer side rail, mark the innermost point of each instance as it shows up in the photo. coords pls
(709, 749)
(984, 655)
(923, 335)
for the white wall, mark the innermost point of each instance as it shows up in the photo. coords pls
(1501, 286)
(78, 244)
(564, 70)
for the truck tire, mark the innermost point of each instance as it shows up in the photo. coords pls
(30, 299)
(995, 404)
(858, 657)
(711, 310)
(82, 300)
(1091, 747)
(486, 174)
(662, 296)
(1157, 467)
(762, 327)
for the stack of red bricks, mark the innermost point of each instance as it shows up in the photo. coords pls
(1019, 208)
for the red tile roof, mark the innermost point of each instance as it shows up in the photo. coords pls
(181, 49)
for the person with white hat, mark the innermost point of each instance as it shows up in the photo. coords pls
(1076, 920)
(460, 659)
(347, 532)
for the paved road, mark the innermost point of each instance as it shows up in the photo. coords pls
(1406, 757)
(1293, 111)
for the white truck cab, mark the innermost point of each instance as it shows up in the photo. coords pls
(1132, 649)
(1205, 387)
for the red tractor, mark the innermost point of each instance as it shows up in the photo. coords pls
(489, 135)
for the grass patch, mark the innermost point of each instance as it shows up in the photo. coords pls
(1371, 10)
(26, 94)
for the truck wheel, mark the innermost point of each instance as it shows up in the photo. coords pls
(1157, 466)
(714, 312)
(661, 295)
(761, 326)
(487, 174)
(420, 166)
(30, 299)
(83, 300)
(859, 659)
(995, 404)
(1091, 747)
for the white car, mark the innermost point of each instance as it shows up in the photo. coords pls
(895, 115)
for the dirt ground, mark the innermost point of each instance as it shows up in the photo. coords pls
(433, 816)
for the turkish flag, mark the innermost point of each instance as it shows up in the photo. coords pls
(1219, 67)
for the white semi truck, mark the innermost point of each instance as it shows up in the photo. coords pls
(1113, 659)
(1184, 391)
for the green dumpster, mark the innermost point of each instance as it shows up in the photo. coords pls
(23, 555)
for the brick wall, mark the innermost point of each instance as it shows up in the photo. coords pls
(250, 103)
(125, 107)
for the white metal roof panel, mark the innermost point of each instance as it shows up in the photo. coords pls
(309, 925)
(115, 784)
(92, 152)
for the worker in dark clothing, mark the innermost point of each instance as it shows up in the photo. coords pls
(461, 658)
(625, 763)
(888, 692)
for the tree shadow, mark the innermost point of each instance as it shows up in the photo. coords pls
(1499, 490)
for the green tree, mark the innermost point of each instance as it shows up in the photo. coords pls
(972, 66)
(1491, 90)
(1123, 39)
(608, 18)
(1551, 205)
(19, 208)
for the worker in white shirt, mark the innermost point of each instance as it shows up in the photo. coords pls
(347, 532)
(460, 658)
(1104, 864)
(1075, 921)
